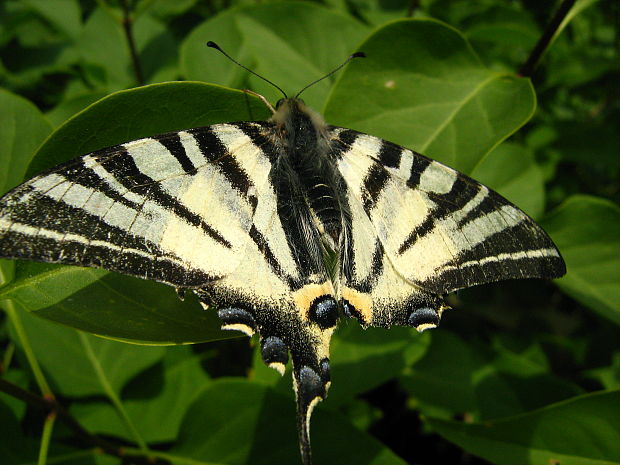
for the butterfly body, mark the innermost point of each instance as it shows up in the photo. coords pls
(283, 226)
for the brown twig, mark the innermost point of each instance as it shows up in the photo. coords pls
(413, 5)
(527, 69)
(128, 28)
(52, 406)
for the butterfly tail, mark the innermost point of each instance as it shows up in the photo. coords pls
(310, 388)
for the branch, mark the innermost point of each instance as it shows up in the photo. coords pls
(413, 5)
(51, 406)
(127, 27)
(527, 69)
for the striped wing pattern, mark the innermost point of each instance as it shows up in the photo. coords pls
(139, 208)
(428, 230)
(281, 232)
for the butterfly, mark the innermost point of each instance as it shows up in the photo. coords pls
(283, 226)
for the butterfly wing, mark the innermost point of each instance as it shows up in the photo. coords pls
(427, 230)
(173, 208)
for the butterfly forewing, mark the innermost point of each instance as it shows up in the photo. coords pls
(441, 230)
(157, 208)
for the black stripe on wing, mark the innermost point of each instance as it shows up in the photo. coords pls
(375, 181)
(172, 141)
(218, 155)
(263, 245)
(463, 190)
(124, 169)
(259, 134)
(47, 230)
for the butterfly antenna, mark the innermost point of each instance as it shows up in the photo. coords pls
(355, 55)
(217, 47)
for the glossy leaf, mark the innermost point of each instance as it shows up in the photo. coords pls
(142, 112)
(65, 355)
(364, 359)
(73, 105)
(22, 129)
(166, 390)
(112, 305)
(581, 431)
(587, 232)
(511, 170)
(423, 87)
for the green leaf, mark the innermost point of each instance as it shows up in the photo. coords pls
(457, 377)
(423, 87)
(22, 129)
(609, 376)
(73, 105)
(291, 44)
(63, 15)
(510, 169)
(581, 431)
(112, 305)
(587, 232)
(517, 379)
(62, 352)
(112, 62)
(504, 34)
(237, 422)
(145, 111)
(166, 390)
(378, 13)
(364, 359)
(442, 381)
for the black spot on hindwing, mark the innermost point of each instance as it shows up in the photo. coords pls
(423, 317)
(274, 350)
(324, 312)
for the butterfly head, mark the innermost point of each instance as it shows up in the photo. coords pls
(302, 129)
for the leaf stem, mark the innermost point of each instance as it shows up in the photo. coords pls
(107, 387)
(12, 312)
(413, 5)
(48, 427)
(527, 69)
(53, 407)
(7, 357)
(128, 28)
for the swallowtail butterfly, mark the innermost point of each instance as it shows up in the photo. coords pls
(283, 226)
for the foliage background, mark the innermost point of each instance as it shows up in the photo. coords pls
(520, 373)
